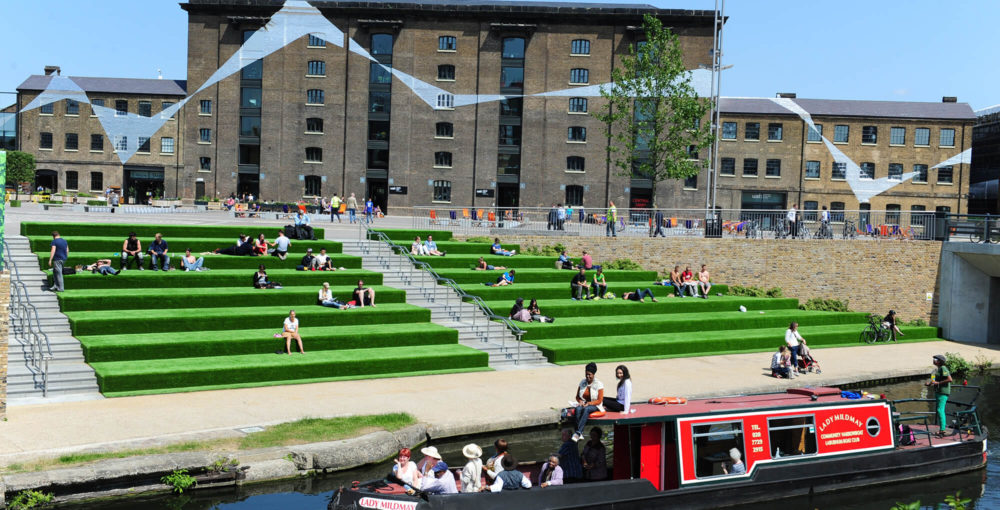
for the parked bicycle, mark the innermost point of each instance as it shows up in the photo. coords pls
(752, 230)
(874, 331)
(824, 232)
(780, 229)
(850, 230)
(802, 231)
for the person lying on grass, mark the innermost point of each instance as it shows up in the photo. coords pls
(507, 278)
(326, 298)
(639, 295)
(290, 331)
(483, 266)
(102, 266)
(365, 296)
(242, 247)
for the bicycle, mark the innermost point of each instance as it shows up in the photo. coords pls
(850, 230)
(752, 230)
(874, 332)
(803, 231)
(780, 230)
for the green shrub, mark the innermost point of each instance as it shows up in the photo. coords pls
(547, 251)
(623, 264)
(84, 194)
(739, 290)
(29, 499)
(479, 239)
(179, 480)
(982, 364)
(958, 365)
(775, 292)
(96, 202)
(825, 305)
(915, 322)
(15, 203)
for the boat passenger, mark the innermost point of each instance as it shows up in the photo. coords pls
(431, 458)
(472, 480)
(440, 481)
(483, 266)
(595, 457)
(510, 478)
(941, 381)
(494, 465)
(589, 396)
(406, 470)
(779, 363)
(569, 458)
(736, 467)
(621, 402)
(551, 473)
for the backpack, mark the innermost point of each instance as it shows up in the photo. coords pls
(906, 436)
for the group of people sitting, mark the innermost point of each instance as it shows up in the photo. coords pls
(361, 297)
(586, 261)
(132, 255)
(794, 357)
(686, 282)
(260, 246)
(428, 247)
(532, 313)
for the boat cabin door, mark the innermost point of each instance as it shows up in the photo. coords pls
(647, 451)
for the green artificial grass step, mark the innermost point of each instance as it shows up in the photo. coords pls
(620, 325)
(469, 261)
(149, 279)
(567, 308)
(181, 297)
(211, 261)
(696, 343)
(458, 247)
(110, 245)
(542, 291)
(260, 341)
(397, 234)
(539, 275)
(178, 374)
(32, 228)
(120, 322)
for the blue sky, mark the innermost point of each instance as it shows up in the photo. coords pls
(849, 49)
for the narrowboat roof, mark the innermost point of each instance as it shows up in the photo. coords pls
(793, 397)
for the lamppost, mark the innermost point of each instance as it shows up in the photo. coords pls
(716, 68)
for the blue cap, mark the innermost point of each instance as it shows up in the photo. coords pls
(440, 466)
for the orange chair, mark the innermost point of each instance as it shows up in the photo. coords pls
(492, 218)
(434, 217)
(465, 214)
(673, 223)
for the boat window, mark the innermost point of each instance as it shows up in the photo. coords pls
(712, 443)
(791, 436)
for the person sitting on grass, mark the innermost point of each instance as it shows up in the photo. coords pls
(432, 248)
(242, 247)
(365, 296)
(326, 298)
(131, 249)
(483, 266)
(536, 313)
(322, 261)
(640, 295)
(191, 263)
(564, 262)
(889, 324)
(101, 266)
(579, 288)
(417, 248)
(518, 312)
(600, 284)
(281, 244)
(510, 478)
(677, 281)
(260, 245)
(688, 282)
(496, 249)
(781, 363)
(586, 261)
(507, 278)
(261, 281)
(307, 260)
(290, 331)
(158, 252)
(703, 281)
(551, 473)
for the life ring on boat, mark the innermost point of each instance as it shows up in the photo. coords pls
(668, 400)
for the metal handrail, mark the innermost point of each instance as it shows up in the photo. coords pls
(25, 324)
(453, 285)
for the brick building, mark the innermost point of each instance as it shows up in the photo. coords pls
(770, 159)
(312, 119)
(72, 151)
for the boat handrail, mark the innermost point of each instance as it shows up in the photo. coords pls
(926, 430)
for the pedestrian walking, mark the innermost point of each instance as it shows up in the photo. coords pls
(609, 230)
(57, 257)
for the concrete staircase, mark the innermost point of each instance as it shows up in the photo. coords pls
(69, 377)
(447, 309)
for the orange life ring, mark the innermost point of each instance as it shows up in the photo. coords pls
(667, 400)
(597, 414)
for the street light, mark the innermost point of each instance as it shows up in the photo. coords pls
(716, 68)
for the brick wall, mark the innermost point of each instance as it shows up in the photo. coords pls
(874, 276)
(4, 325)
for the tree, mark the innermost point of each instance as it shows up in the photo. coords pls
(20, 167)
(652, 114)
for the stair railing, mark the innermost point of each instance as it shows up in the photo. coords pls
(25, 325)
(418, 267)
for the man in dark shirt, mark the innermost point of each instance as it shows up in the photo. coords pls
(158, 251)
(132, 247)
(307, 259)
(57, 257)
(889, 322)
(579, 286)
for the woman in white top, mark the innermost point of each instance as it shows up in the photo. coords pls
(406, 470)
(418, 248)
(290, 331)
(792, 338)
(326, 298)
(589, 396)
(621, 402)
(472, 473)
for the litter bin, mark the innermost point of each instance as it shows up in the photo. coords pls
(713, 227)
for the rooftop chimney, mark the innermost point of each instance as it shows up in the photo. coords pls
(786, 95)
(52, 69)
(949, 99)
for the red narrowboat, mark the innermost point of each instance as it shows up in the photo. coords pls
(718, 452)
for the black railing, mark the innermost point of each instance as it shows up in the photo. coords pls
(977, 228)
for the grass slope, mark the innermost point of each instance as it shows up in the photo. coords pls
(547, 275)
(211, 261)
(562, 290)
(398, 234)
(567, 309)
(154, 280)
(33, 228)
(176, 245)
(133, 299)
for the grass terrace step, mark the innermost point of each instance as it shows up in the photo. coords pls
(408, 234)
(153, 280)
(145, 230)
(177, 245)
(697, 343)
(458, 247)
(469, 261)
(261, 341)
(219, 372)
(211, 261)
(542, 291)
(136, 322)
(182, 297)
(567, 308)
(616, 326)
(538, 275)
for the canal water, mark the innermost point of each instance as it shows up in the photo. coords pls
(983, 487)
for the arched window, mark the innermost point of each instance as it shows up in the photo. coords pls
(442, 159)
(575, 164)
(314, 154)
(444, 130)
(574, 194)
(314, 186)
(446, 72)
